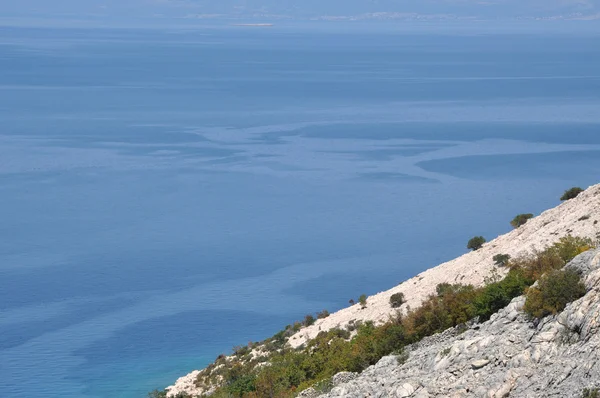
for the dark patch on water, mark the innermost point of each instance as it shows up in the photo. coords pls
(18, 333)
(557, 133)
(180, 334)
(556, 165)
(396, 177)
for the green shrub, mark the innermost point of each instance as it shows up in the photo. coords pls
(243, 384)
(363, 300)
(452, 306)
(501, 260)
(569, 247)
(495, 296)
(397, 299)
(443, 288)
(240, 350)
(553, 292)
(323, 314)
(476, 243)
(520, 219)
(553, 258)
(571, 193)
(308, 320)
(590, 393)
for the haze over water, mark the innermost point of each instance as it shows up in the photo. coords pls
(169, 194)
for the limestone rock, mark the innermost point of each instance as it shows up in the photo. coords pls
(343, 377)
(479, 363)
(507, 356)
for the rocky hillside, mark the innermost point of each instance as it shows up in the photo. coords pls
(508, 356)
(577, 217)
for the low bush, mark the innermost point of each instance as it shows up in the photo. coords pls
(323, 314)
(308, 320)
(569, 247)
(497, 295)
(501, 260)
(397, 299)
(590, 393)
(571, 193)
(476, 243)
(452, 305)
(242, 383)
(363, 300)
(553, 292)
(520, 220)
(553, 258)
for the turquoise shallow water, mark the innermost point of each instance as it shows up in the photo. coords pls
(167, 195)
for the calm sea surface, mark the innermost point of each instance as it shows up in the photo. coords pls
(166, 195)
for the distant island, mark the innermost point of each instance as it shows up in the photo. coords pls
(255, 25)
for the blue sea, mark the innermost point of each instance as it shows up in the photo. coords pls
(168, 194)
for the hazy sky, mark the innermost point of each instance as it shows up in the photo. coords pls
(489, 9)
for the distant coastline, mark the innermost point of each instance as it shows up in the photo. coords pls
(255, 25)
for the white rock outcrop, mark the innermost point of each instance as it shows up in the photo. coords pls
(507, 356)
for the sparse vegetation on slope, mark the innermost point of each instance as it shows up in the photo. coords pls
(247, 375)
(292, 370)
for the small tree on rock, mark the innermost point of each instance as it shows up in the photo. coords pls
(520, 219)
(397, 299)
(571, 193)
(363, 300)
(309, 320)
(501, 260)
(476, 243)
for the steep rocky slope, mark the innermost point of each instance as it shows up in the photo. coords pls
(508, 356)
(577, 217)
